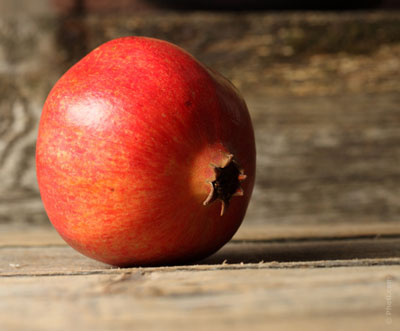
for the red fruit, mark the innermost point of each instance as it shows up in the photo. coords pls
(141, 149)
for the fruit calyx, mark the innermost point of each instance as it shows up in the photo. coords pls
(226, 183)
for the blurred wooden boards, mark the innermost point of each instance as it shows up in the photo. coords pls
(323, 160)
(308, 284)
(281, 53)
(323, 90)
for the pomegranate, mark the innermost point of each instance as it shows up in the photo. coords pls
(144, 155)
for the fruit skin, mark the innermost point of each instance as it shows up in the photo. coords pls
(126, 141)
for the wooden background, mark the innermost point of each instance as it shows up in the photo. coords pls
(322, 89)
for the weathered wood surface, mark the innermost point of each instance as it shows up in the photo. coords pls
(323, 90)
(23, 235)
(231, 299)
(48, 260)
(320, 247)
(40, 250)
(335, 284)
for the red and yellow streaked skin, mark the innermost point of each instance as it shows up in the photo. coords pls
(126, 143)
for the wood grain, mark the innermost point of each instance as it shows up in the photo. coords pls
(327, 159)
(215, 299)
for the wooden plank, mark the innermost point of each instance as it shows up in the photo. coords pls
(355, 298)
(326, 160)
(63, 260)
(18, 235)
(27, 236)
